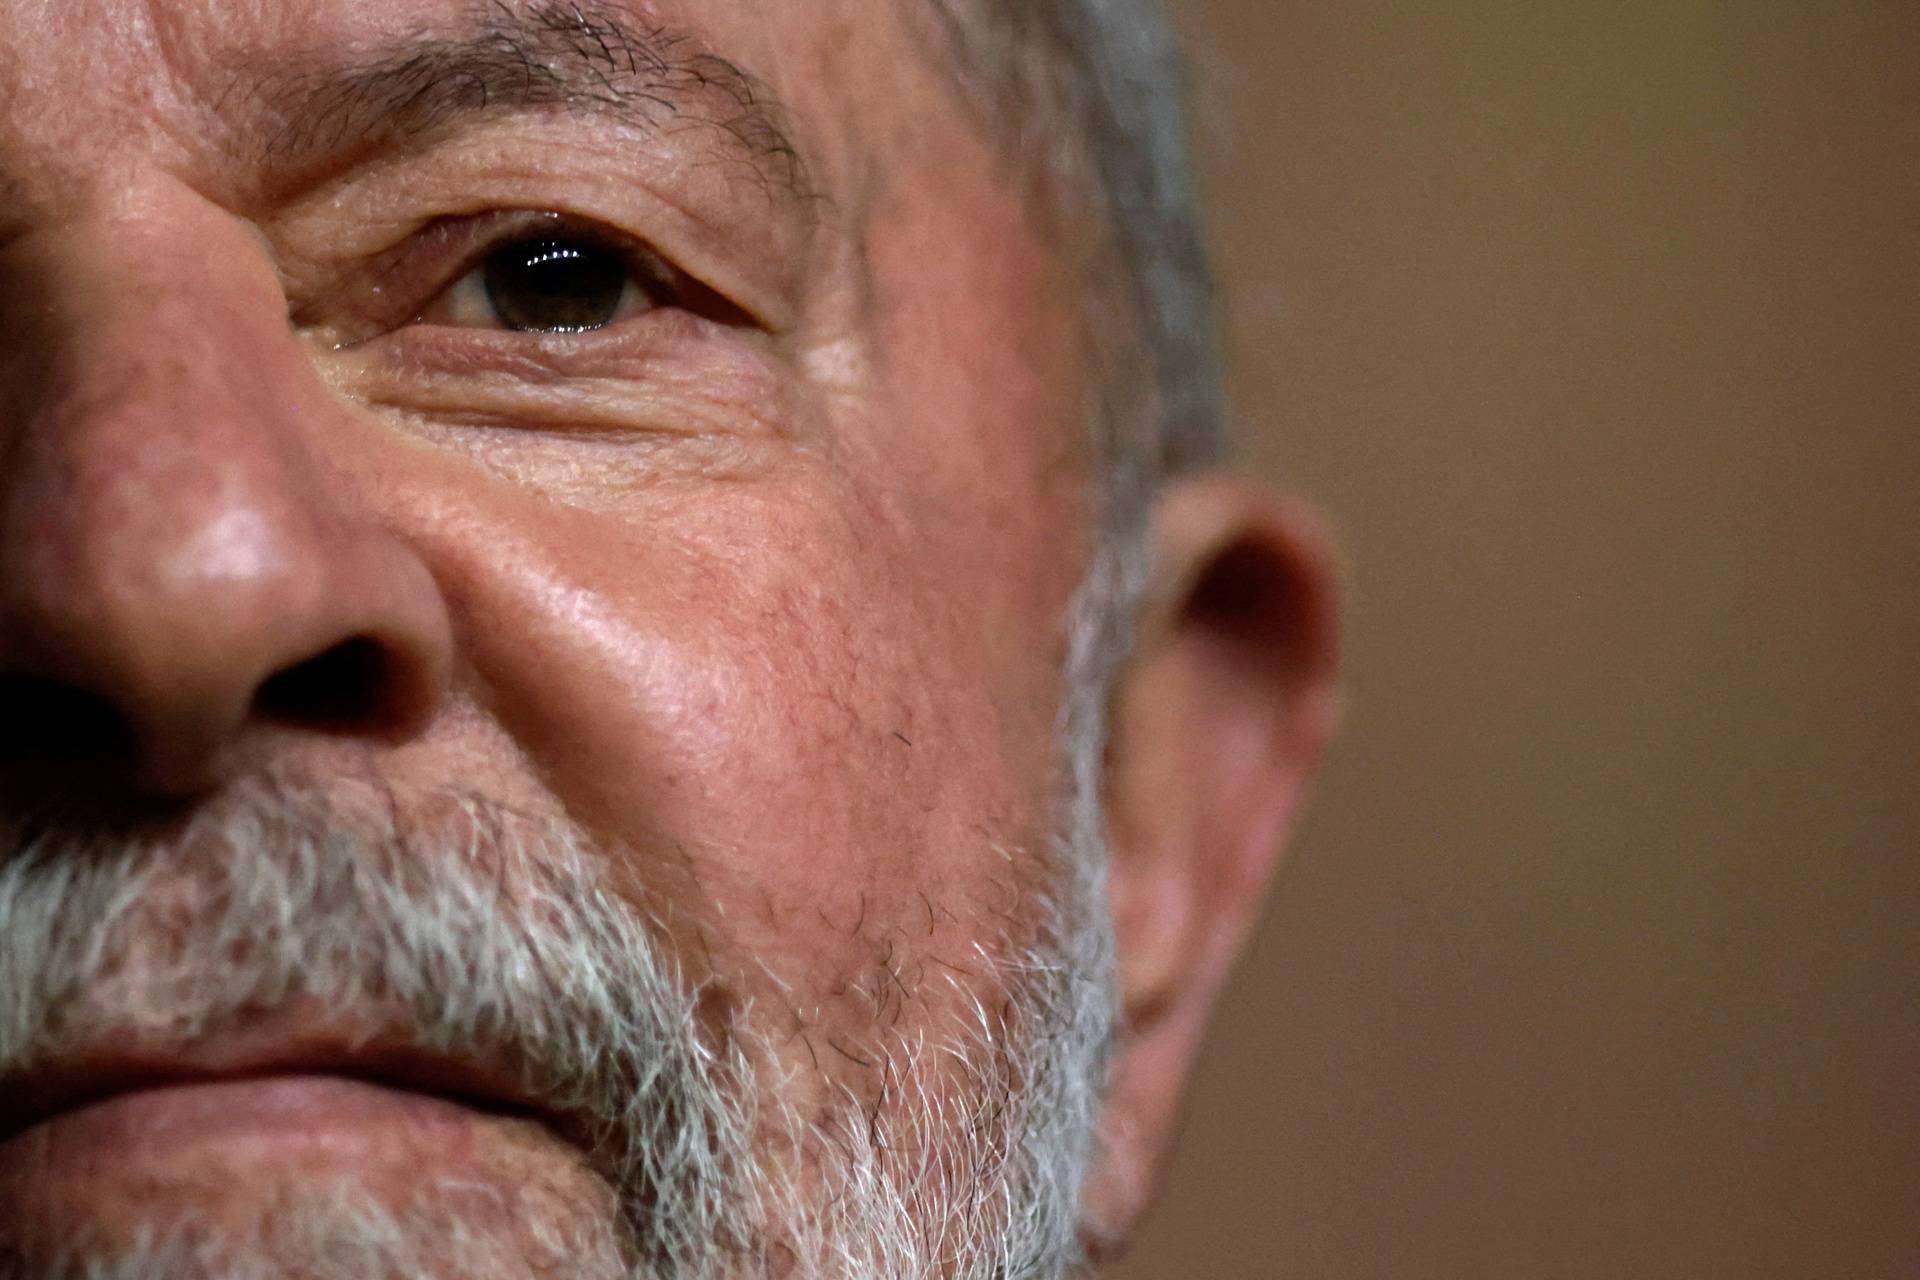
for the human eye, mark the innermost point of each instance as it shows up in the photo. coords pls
(519, 275)
(556, 281)
(568, 324)
(546, 284)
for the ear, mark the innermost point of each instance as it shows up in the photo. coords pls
(1218, 725)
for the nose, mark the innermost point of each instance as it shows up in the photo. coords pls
(185, 575)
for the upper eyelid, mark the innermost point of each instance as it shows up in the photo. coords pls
(508, 227)
(626, 246)
(396, 284)
(643, 262)
(487, 233)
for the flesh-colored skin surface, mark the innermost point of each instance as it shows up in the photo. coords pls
(771, 608)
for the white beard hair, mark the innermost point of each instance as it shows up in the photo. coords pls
(512, 941)
(982, 1183)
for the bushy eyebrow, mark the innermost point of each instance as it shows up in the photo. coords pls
(579, 57)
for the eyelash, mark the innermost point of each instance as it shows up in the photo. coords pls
(475, 241)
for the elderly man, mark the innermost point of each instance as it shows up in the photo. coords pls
(616, 661)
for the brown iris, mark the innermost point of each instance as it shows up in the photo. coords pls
(555, 285)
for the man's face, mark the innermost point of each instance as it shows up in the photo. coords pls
(629, 454)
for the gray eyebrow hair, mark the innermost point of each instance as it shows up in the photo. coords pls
(580, 56)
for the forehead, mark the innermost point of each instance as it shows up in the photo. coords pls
(213, 85)
(49, 42)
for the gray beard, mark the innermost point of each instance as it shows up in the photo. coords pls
(493, 936)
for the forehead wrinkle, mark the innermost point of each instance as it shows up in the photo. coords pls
(580, 57)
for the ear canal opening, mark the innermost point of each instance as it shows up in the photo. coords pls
(1251, 599)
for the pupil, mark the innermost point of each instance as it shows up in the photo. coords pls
(559, 286)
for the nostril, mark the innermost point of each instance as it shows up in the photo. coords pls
(351, 687)
(44, 721)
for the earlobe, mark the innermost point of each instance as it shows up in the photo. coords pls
(1218, 726)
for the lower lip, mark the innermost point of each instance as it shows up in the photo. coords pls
(315, 1119)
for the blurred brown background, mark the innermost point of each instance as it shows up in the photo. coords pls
(1596, 328)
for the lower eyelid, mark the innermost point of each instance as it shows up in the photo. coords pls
(685, 408)
(657, 346)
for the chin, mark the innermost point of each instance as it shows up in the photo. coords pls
(344, 1229)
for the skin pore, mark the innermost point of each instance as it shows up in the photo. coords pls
(691, 582)
(737, 618)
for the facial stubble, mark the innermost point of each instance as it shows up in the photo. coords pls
(481, 934)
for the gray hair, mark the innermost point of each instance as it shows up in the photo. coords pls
(457, 926)
(1087, 99)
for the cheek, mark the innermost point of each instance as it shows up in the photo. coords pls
(771, 704)
(980, 444)
(814, 702)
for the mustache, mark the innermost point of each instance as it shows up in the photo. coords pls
(450, 926)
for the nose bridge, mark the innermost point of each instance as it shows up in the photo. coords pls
(170, 537)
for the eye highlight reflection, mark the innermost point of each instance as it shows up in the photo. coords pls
(549, 284)
(514, 279)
